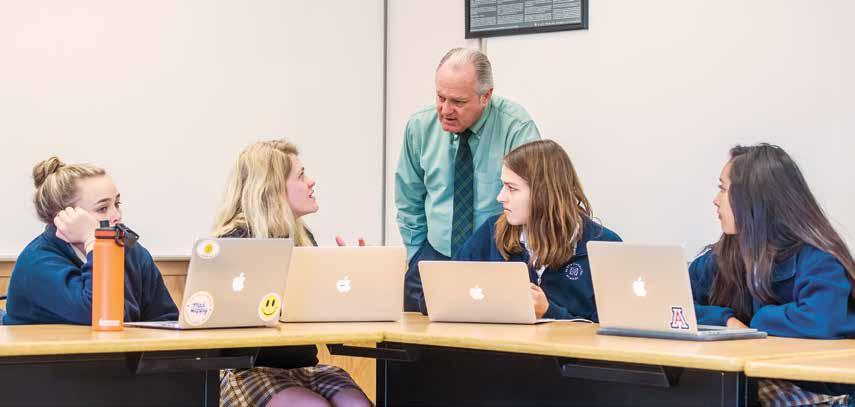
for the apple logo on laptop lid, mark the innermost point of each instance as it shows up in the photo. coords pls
(638, 287)
(238, 283)
(343, 285)
(477, 293)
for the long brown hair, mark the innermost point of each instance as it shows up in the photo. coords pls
(775, 214)
(255, 195)
(557, 205)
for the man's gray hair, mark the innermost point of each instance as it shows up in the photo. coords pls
(483, 69)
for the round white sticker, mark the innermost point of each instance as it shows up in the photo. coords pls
(208, 249)
(199, 308)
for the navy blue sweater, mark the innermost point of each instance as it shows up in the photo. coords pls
(812, 288)
(51, 285)
(815, 301)
(567, 287)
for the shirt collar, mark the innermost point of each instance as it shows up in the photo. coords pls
(523, 242)
(68, 250)
(80, 254)
(476, 128)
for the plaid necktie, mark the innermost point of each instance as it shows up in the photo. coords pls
(464, 194)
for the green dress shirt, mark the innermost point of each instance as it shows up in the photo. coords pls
(424, 180)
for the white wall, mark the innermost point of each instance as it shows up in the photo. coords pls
(649, 99)
(166, 94)
(419, 34)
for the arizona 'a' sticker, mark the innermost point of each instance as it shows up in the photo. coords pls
(199, 308)
(208, 249)
(678, 318)
(268, 308)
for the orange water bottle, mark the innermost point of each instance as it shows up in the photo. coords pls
(108, 279)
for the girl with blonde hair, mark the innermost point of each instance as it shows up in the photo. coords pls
(267, 196)
(52, 279)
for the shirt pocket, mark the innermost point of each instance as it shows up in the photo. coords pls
(487, 187)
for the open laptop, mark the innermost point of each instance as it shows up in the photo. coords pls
(232, 283)
(645, 291)
(474, 291)
(328, 284)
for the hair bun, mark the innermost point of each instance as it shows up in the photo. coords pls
(45, 169)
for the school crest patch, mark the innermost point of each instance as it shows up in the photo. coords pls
(573, 271)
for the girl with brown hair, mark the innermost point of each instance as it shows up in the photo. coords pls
(546, 222)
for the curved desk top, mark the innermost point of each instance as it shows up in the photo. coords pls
(34, 340)
(562, 339)
(579, 340)
(838, 367)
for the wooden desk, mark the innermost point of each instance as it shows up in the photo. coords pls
(532, 364)
(64, 364)
(579, 340)
(421, 363)
(35, 340)
(835, 367)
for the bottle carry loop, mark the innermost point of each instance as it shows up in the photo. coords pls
(124, 235)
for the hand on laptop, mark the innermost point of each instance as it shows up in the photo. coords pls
(340, 241)
(541, 304)
(732, 322)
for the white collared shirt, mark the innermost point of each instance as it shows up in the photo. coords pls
(523, 242)
(79, 253)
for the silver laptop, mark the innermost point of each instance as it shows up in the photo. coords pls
(470, 291)
(232, 283)
(645, 291)
(328, 284)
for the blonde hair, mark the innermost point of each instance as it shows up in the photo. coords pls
(56, 185)
(255, 198)
(557, 205)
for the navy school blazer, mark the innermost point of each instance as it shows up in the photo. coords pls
(51, 285)
(568, 287)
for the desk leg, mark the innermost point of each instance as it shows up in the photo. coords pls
(445, 376)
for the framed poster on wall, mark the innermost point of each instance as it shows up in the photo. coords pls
(491, 18)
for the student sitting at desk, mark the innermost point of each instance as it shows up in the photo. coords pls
(779, 265)
(547, 223)
(268, 194)
(52, 280)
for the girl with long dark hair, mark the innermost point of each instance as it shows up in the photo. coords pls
(779, 265)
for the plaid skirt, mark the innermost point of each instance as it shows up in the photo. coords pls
(256, 386)
(781, 393)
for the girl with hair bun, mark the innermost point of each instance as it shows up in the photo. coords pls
(52, 279)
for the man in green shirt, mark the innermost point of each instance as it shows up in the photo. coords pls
(449, 170)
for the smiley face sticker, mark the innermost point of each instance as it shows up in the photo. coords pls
(268, 308)
(208, 249)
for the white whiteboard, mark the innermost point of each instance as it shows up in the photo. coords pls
(164, 95)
